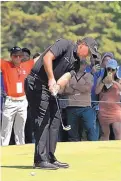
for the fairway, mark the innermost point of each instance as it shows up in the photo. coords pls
(89, 161)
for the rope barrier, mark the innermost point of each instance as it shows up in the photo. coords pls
(110, 102)
(91, 101)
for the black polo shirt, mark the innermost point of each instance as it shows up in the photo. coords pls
(65, 60)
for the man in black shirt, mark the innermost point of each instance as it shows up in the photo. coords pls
(51, 72)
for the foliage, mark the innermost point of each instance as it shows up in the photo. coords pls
(37, 24)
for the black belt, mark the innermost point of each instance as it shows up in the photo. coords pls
(37, 77)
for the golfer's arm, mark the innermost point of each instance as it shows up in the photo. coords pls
(64, 79)
(47, 61)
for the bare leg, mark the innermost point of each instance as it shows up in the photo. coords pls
(105, 132)
(117, 130)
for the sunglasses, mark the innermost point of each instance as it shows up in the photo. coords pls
(110, 69)
(16, 56)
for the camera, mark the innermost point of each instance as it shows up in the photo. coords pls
(97, 63)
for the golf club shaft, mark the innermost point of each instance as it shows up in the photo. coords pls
(59, 111)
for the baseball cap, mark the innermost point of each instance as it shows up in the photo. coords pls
(112, 63)
(92, 44)
(118, 72)
(26, 50)
(15, 49)
(107, 54)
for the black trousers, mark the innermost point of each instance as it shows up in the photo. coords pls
(45, 117)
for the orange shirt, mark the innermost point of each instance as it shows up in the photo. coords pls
(14, 77)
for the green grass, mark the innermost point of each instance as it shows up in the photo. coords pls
(89, 161)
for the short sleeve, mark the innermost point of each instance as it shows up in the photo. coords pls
(59, 47)
(31, 63)
(28, 65)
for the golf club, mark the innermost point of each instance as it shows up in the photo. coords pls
(68, 127)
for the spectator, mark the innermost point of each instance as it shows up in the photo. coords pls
(79, 106)
(118, 74)
(105, 57)
(36, 55)
(15, 108)
(95, 70)
(26, 54)
(28, 126)
(2, 96)
(109, 89)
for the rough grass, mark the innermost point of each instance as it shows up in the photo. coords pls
(89, 161)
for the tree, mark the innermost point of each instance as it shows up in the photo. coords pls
(38, 24)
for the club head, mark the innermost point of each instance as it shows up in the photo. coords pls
(67, 128)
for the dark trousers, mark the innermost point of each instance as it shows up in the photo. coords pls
(45, 117)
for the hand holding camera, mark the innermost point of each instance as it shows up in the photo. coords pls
(108, 79)
(96, 68)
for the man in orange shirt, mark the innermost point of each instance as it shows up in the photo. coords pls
(15, 108)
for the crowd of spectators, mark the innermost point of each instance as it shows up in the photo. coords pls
(90, 102)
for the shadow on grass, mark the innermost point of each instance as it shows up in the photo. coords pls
(18, 166)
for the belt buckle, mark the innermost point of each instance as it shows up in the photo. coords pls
(13, 99)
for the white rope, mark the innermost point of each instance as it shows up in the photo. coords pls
(110, 102)
(91, 101)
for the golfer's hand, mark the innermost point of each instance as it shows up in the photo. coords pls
(51, 85)
(54, 90)
(51, 82)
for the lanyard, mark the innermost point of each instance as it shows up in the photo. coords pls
(19, 71)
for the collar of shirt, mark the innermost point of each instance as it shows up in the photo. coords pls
(12, 65)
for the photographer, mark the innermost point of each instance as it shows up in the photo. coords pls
(96, 71)
(109, 89)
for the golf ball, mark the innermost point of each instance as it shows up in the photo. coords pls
(32, 173)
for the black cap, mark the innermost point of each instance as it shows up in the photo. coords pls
(15, 49)
(26, 50)
(96, 57)
(92, 44)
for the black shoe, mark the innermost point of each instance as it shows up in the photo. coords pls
(54, 161)
(45, 165)
(60, 165)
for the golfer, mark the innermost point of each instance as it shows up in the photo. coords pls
(51, 72)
